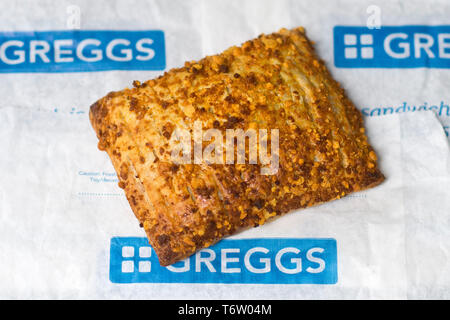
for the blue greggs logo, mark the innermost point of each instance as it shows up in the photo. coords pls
(268, 260)
(81, 51)
(392, 47)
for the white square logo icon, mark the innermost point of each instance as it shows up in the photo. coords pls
(128, 266)
(358, 46)
(367, 52)
(145, 252)
(351, 53)
(350, 39)
(366, 39)
(127, 252)
(145, 266)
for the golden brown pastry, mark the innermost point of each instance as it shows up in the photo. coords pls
(273, 82)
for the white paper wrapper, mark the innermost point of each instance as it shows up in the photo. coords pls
(57, 222)
(60, 205)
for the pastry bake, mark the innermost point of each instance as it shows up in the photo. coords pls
(275, 81)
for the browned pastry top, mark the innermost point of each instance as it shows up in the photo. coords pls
(273, 82)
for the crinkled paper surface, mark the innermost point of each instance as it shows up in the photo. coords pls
(59, 200)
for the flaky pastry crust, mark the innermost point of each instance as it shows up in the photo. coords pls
(274, 81)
